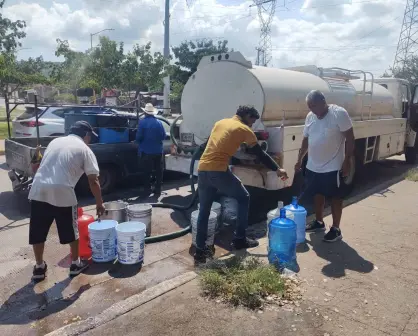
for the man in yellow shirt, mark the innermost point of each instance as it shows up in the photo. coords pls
(214, 174)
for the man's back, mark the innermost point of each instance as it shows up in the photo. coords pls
(226, 137)
(150, 135)
(63, 163)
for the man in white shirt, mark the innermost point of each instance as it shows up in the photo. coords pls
(328, 139)
(53, 197)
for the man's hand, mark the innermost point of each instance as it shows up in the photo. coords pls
(298, 166)
(346, 167)
(282, 174)
(100, 209)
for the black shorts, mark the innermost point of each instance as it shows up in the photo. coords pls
(325, 184)
(42, 215)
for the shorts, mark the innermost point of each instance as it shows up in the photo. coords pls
(325, 184)
(43, 214)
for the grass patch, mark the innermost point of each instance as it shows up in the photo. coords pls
(412, 175)
(3, 130)
(14, 114)
(247, 282)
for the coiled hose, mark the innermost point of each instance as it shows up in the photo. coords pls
(173, 235)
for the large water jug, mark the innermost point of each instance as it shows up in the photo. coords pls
(299, 217)
(282, 242)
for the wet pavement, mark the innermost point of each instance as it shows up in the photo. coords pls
(36, 309)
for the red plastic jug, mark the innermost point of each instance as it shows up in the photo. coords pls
(84, 243)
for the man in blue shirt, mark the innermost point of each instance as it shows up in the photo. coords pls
(150, 136)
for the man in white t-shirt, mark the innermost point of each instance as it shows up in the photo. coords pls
(53, 197)
(328, 139)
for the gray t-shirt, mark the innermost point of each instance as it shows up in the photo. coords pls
(64, 162)
(326, 149)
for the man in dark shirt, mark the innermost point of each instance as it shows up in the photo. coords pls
(150, 137)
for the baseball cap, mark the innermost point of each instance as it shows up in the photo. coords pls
(84, 126)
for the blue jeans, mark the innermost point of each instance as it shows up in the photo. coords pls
(227, 183)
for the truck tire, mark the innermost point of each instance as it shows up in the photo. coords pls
(107, 178)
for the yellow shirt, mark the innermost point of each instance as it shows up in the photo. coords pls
(226, 137)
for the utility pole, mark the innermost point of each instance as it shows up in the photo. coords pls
(407, 44)
(266, 10)
(166, 80)
(91, 35)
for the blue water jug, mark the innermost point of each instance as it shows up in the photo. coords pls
(299, 217)
(282, 242)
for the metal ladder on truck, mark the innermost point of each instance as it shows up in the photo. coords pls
(366, 107)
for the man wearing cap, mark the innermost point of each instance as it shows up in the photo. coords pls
(150, 136)
(214, 175)
(328, 139)
(53, 198)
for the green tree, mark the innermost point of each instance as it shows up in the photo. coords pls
(71, 73)
(105, 63)
(19, 73)
(11, 32)
(189, 53)
(409, 71)
(152, 66)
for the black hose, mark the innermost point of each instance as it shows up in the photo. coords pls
(173, 235)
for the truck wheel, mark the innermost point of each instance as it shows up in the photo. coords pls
(411, 155)
(107, 179)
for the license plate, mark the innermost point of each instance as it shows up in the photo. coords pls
(187, 137)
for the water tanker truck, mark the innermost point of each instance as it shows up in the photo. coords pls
(383, 111)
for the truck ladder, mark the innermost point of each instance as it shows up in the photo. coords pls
(370, 149)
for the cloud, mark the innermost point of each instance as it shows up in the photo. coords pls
(356, 34)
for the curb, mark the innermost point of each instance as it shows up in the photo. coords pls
(124, 306)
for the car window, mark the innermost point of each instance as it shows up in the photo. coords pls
(59, 113)
(29, 113)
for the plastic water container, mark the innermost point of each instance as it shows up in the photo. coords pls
(83, 222)
(216, 208)
(103, 240)
(282, 242)
(130, 242)
(275, 213)
(140, 213)
(299, 217)
(211, 227)
(108, 135)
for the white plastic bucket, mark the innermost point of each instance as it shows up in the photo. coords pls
(140, 213)
(216, 208)
(103, 240)
(131, 242)
(212, 222)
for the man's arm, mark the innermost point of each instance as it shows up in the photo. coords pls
(349, 143)
(302, 152)
(139, 133)
(162, 130)
(91, 169)
(94, 184)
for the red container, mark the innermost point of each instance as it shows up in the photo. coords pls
(84, 243)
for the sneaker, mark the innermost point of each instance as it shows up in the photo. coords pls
(39, 273)
(240, 244)
(77, 269)
(333, 235)
(315, 226)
